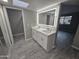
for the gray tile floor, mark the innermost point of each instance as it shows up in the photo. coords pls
(29, 49)
(3, 48)
(3, 57)
(3, 51)
(18, 37)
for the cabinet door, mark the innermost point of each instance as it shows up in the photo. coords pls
(36, 36)
(33, 34)
(51, 42)
(43, 40)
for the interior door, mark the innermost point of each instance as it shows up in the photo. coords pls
(8, 25)
(14, 25)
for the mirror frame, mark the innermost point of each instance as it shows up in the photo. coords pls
(38, 13)
(55, 7)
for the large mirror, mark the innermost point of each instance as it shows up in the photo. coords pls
(47, 17)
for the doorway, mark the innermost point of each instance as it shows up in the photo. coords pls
(67, 27)
(15, 23)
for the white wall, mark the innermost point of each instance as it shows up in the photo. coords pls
(30, 21)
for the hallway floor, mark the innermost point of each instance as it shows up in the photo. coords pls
(29, 49)
(18, 38)
(3, 52)
(64, 39)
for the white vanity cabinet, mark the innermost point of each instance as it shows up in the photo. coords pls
(46, 41)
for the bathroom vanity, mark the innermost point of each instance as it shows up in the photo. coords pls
(45, 30)
(44, 35)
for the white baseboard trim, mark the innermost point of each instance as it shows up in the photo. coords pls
(28, 39)
(18, 34)
(4, 56)
(75, 47)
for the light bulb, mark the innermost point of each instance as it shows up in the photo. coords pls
(5, 0)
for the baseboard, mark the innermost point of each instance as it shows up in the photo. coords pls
(18, 34)
(4, 56)
(75, 47)
(28, 39)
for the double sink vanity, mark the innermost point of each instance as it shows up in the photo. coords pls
(44, 35)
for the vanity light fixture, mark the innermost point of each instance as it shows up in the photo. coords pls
(5, 0)
(37, 17)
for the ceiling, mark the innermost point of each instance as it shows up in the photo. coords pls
(38, 4)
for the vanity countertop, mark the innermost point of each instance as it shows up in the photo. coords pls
(45, 29)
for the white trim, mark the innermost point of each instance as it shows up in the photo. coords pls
(4, 27)
(8, 26)
(75, 47)
(24, 23)
(13, 8)
(28, 39)
(37, 18)
(56, 15)
(18, 34)
(4, 56)
(43, 11)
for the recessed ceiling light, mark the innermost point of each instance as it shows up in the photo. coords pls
(5, 0)
(20, 3)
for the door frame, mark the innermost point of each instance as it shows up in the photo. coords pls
(4, 27)
(8, 23)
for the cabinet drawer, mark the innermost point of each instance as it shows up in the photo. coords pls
(51, 42)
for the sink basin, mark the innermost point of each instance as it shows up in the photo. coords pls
(45, 29)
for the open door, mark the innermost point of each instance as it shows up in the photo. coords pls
(14, 21)
(4, 28)
(5, 41)
(8, 26)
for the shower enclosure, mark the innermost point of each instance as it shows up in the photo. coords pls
(15, 23)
